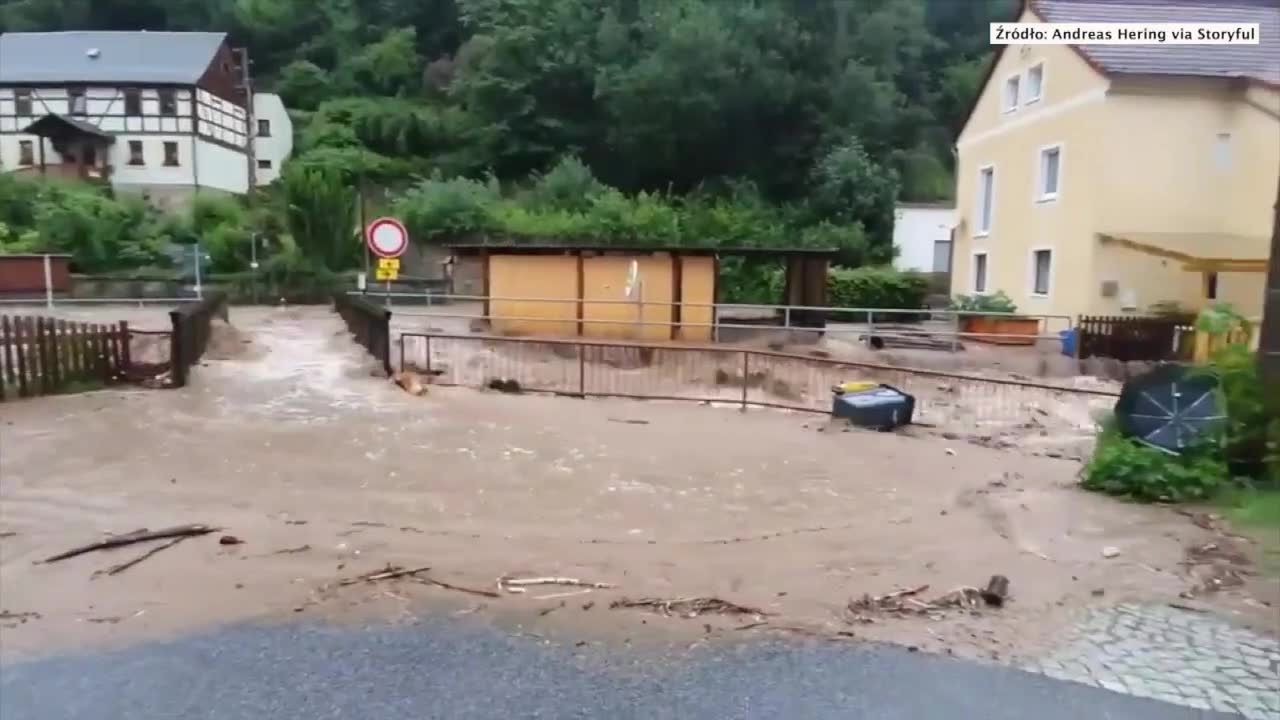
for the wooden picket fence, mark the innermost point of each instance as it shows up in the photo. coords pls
(1135, 337)
(40, 355)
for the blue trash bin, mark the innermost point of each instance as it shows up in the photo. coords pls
(1068, 338)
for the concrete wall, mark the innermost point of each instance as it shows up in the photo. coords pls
(220, 167)
(276, 147)
(915, 230)
(534, 276)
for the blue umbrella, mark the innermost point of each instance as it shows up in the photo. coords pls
(1171, 408)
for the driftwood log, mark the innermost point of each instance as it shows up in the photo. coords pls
(136, 536)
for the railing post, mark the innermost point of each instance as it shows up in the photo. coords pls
(871, 327)
(582, 370)
(745, 369)
(428, 353)
(176, 360)
(955, 332)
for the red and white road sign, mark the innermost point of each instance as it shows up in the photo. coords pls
(387, 237)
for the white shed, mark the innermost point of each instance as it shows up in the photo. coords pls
(922, 236)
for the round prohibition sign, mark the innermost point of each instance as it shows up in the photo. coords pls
(387, 237)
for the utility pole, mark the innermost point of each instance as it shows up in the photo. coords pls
(245, 85)
(1269, 333)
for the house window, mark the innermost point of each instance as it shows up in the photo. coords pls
(264, 128)
(133, 102)
(1211, 286)
(1011, 87)
(1041, 264)
(1035, 83)
(168, 103)
(26, 152)
(1050, 165)
(170, 154)
(986, 196)
(135, 153)
(1222, 151)
(264, 164)
(941, 256)
(22, 102)
(980, 272)
(76, 99)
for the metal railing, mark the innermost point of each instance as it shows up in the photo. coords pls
(734, 376)
(369, 324)
(943, 329)
(191, 331)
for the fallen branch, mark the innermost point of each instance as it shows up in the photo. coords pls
(903, 602)
(518, 585)
(23, 616)
(117, 569)
(449, 586)
(390, 572)
(290, 551)
(688, 607)
(570, 593)
(134, 537)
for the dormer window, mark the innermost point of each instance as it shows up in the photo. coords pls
(1035, 83)
(1011, 89)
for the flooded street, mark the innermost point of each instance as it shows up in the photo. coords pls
(287, 441)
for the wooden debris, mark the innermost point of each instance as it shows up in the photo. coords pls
(688, 607)
(134, 537)
(368, 523)
(112, 620)
(117, 569)
(547, 611)
(20, 616)
(904, 603)
(518, 585)
(629, 421)
(8, 534)
(410, 382)
(390, 572)
(290, 551)
(571, 593)
(230, 540)
(459, 588)
(996, 591)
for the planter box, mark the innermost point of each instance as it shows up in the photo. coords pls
(990, 329)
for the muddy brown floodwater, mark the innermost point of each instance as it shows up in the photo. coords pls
(327, 472)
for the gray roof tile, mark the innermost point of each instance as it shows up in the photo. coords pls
(123, 57)
(1261, 61)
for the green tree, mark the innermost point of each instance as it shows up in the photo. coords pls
(850, 187)
(320, 213)
(390, 66)
(303, 85)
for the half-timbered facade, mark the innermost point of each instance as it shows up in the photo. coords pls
(165, 114)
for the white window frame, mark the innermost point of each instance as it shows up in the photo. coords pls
(986, 270)
(1039, 190)
(1006, 108)
(1031, 270)
(978, 229)
(1040, 96)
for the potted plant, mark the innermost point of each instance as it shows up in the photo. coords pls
(1002, 327)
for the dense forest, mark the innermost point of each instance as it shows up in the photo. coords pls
(804, 120)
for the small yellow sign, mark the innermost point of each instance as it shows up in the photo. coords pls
(386, 274)
(388, 263)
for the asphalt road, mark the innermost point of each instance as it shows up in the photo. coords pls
(443, 669)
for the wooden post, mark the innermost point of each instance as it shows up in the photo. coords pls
(126, 357)
(6, 337)
(54, 370)
(21, 336)
(1269, 333)
(42, 357)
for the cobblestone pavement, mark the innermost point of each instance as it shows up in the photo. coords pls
(1172, 655)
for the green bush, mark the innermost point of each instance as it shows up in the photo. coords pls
(438, 208)
(569, 185)
(1121, 466)
(875, 287)
(996, 302)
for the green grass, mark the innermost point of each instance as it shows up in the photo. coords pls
(1257, 514)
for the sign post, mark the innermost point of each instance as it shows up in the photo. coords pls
(388, 239)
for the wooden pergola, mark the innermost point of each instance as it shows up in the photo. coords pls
(1247, 254)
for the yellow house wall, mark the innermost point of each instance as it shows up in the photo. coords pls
(1070, 114)
(1164, 168)
(697, 285)
(533, 276)
(605, 278)
(1138, 155)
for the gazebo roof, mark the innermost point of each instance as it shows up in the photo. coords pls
(60, 127)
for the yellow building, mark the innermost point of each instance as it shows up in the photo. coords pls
(651, 294)
(1105, 179)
